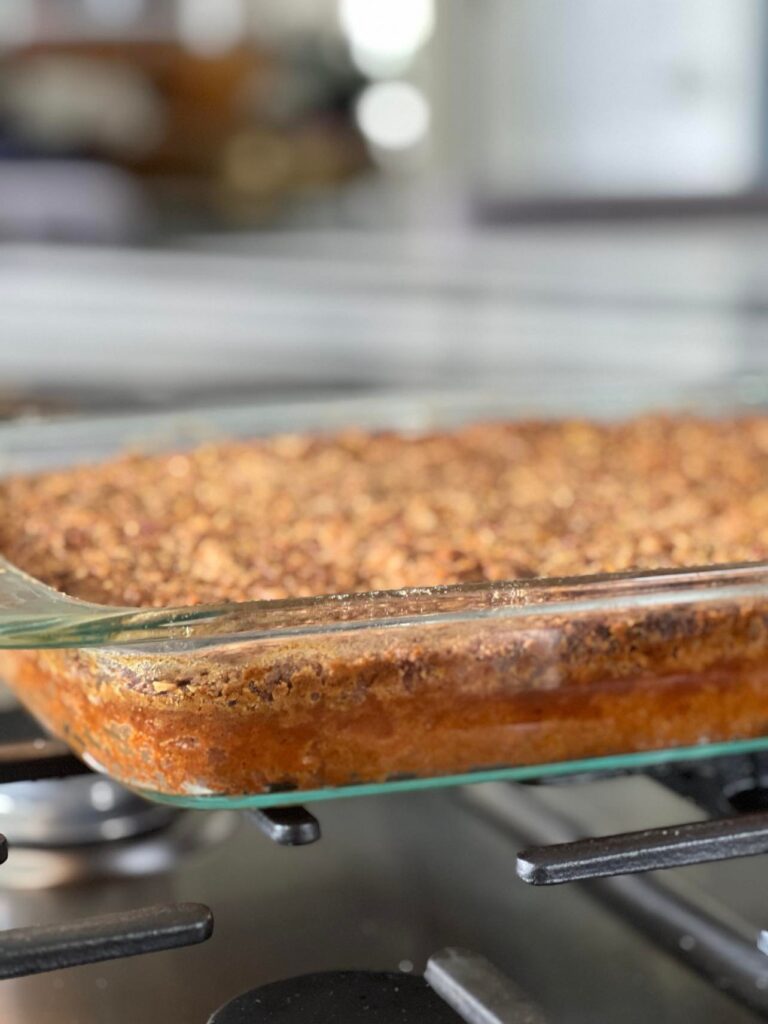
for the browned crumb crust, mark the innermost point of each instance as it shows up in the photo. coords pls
(301, 515)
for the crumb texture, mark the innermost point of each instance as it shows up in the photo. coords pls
(295, 515)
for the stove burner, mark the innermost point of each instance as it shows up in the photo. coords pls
(47, 867)
(76, 810)
(354, 997)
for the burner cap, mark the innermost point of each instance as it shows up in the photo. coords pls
(355, 997)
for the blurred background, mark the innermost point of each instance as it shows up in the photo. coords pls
(210, 200)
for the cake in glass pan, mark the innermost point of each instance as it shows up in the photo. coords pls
(364, 606)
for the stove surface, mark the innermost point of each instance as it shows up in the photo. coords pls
(392, 880)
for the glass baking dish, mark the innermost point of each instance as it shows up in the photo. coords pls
(273, 702)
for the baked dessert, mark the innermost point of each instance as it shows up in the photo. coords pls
(302, 516)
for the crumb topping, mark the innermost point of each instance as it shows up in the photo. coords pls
(300, 515)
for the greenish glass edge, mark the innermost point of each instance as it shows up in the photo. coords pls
(523, 773)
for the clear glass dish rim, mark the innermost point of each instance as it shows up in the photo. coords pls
(33, 615)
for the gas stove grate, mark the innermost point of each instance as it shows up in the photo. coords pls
(717, 785)
(33, 950)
